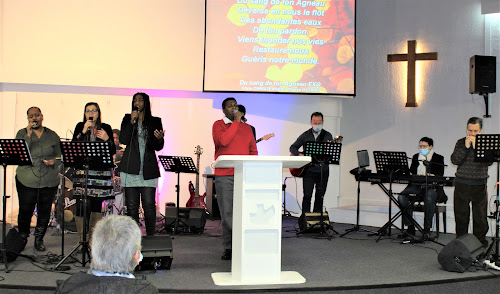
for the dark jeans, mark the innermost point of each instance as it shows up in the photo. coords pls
(132, 197)
(463, 196)
(42, 198)
(311, 180)
(224, 185)
(404, 199)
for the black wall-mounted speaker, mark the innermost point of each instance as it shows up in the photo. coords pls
(482, 78)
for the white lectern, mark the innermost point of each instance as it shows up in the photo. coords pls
(256, 256)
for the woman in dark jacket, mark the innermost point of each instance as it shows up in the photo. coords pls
(139, 171)
(92, 129)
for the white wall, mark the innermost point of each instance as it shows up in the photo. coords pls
(377, 119)
(61, 55)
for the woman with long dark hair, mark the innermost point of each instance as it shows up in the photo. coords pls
(139, 171)
(94, 130)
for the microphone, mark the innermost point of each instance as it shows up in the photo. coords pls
(33, 125)
(135, 108)
(243, 119)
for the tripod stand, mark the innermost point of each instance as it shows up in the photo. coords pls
(391, 164)
(13, 152)
(283, 188)
(322, 152)
(90, 155)
(363, 161)
(488, 150)
(178, 165)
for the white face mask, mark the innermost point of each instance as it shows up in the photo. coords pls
(317, 128)
(424, 151)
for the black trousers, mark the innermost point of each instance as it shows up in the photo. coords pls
(310, 181)
(42, 198)
(132, 197)
(463, 196)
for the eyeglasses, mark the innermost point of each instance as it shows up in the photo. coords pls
(91, 110)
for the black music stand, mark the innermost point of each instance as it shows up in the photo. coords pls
(363, 161)
(89, 155)
(488, 150)
(322, 153)
(286, 213)
(178, 165)
(12, 152)
(390, 163)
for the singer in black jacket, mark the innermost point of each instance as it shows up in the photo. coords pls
(139, 171)
(435, 167)
(91, 129)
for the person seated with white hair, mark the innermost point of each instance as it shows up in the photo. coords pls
(116, 251)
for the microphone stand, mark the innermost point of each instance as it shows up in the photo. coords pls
(283, 188)
(424, 237)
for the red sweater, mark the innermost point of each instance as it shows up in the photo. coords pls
(232, 139)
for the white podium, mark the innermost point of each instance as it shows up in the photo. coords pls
(256, 256)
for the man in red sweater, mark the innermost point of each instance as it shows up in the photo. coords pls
(231, 137)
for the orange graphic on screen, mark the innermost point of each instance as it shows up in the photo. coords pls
(305, 47)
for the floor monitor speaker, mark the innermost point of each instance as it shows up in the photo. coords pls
(460, 253)
(157, 253)
(191, 219)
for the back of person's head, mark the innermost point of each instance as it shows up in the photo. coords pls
(242, 109)
(115, 241)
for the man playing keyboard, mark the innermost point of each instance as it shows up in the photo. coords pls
(434, 163)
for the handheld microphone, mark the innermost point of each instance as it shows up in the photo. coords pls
(91, 118)
(33, 125)
(243, 119)
(135, 108)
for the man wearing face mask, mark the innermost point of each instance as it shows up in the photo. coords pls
(432, 163)
(470, 184)
(312, 178)
(231, 137)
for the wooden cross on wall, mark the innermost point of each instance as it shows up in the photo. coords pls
(411, 57)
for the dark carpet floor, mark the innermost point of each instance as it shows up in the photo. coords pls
(355, 263)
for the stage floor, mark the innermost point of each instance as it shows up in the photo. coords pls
(355, 261)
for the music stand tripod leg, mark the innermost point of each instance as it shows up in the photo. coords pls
(4, 221)
(357, 227)
(283, 188)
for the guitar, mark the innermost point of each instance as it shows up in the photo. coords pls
(300, 172)
(195, 200)
(266, 137)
